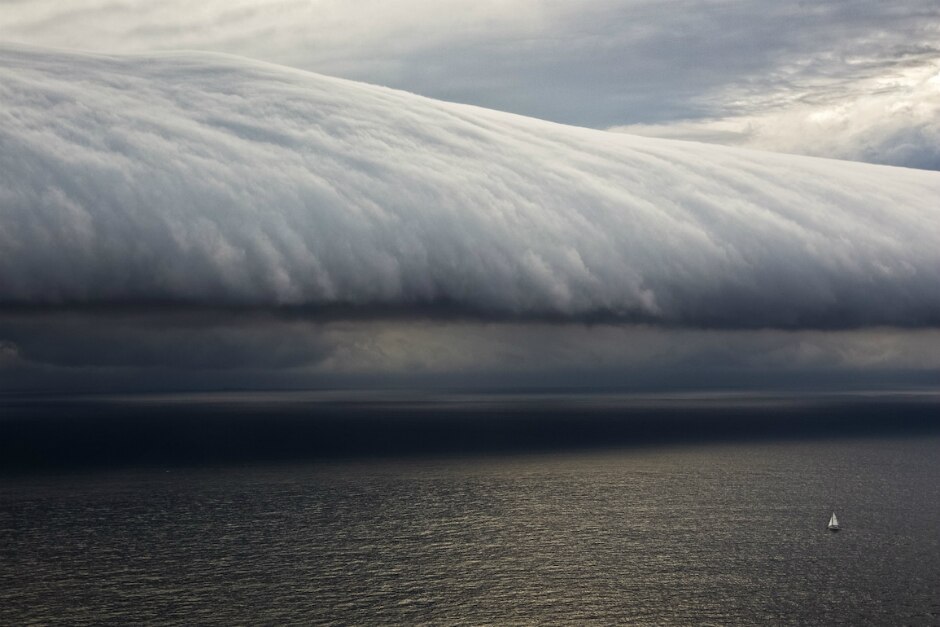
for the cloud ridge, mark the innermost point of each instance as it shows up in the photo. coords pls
(198, 180)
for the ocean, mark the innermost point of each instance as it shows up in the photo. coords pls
(705, 533)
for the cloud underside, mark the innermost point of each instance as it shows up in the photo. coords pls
(68, 351)
(199, 181)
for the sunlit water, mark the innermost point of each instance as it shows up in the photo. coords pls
(721, 534)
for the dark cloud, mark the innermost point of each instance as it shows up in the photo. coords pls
(9, 353)
(183, 350)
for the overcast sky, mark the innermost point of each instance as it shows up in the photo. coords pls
(160, 211)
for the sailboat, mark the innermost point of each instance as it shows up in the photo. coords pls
(833, 523)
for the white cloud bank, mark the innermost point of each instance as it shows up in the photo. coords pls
(203, 180)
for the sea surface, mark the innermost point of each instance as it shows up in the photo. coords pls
(714, 533)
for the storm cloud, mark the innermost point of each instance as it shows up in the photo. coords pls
(161, 351)
(198, 181)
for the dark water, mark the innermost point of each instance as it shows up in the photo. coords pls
(717, 534)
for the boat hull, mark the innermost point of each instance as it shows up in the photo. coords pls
(833, 529)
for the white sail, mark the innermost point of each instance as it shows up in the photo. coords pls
(833, 521)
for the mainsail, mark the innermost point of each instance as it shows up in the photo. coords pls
(833, 521)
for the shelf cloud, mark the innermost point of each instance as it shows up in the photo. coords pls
(204, 181)
(201, 181)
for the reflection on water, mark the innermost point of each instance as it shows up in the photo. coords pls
(731, 534)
